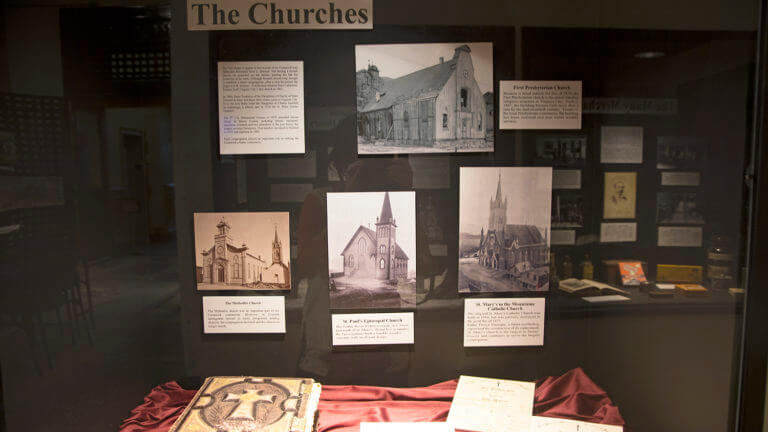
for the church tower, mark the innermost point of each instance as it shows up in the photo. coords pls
(277, 249)
(221, 239)
(386, 230)
(497, 220)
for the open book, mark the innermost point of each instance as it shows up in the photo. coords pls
(587, 287)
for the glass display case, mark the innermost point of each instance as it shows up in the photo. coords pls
(562, 193)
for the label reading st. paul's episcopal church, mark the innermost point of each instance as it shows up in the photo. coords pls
(279, 14)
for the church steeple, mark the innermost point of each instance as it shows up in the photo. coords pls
(386, 211)
(497, 219)
(498, 189)
(277, 249)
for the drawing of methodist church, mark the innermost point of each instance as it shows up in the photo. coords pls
(225, 263)
(441, 105)
(375, 254)
(513, 249)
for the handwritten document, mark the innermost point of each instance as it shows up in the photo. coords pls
(485, 404)
(550, 424)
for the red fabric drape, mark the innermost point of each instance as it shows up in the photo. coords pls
(572, 395)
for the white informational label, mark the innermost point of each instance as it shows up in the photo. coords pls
(372, 328)
(244, 314)
(551, 424)
(613, 232)
(563, 237)
(566, 179)
(621, 144)
(665, 286)
(540, 104)
(504, 322)
(283, 14)
(680, 178)
(605, 298)
(485, 404)
(680, 236)
(261, 107)
(405, 427)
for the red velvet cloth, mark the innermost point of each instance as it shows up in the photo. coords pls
(572, 395)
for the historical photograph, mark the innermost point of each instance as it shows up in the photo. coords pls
(567, 210)
(619, 196)
(504, 226)
(679, 152)
(561, 150)
(678, 208)
(372, 250)
(243, 251)
(420, 98)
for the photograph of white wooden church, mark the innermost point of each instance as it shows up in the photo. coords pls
(504, 225)
(419, 98)
(242, 251)
(371, 249)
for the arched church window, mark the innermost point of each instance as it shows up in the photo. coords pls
(361, 245)
(381, 263)
(236, 270)
(382, 249)
(351, 260)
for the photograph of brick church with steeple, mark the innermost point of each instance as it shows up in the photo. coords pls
(372, 249)
(504, 227)
(243, 251)
(422, 98)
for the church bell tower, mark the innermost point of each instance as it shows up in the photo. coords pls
(277, 249)
(497, 220)
(386, 230)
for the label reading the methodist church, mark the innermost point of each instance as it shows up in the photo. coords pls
(372, 328)
(261, 107)
(279, 14)
(504, 322)
(241, 314)
(540, 104)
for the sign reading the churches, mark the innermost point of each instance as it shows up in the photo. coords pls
(242, 251)
(261, 107)
(279, 14)
(372, 250)
(504, 224)
(424, 98)
(540, 104)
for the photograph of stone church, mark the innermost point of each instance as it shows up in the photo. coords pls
(419, 98)
(371, 249)
(504, 226)
(242, 251)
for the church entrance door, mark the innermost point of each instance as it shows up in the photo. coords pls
(220, 274)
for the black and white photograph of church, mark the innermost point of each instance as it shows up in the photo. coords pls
(504, 227)
(420, 98)
(242, 251)
(372, 249)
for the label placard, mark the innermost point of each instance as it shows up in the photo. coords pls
(241, 314)
(372, 328)
(540, 104)
(504, 322)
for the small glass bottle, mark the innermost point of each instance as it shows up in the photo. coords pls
(567, 267)
(587, 269)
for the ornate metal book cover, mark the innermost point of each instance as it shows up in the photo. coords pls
(251, 404)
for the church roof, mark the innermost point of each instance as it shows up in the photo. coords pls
(399, 252)
(526, 235)
(413, 85)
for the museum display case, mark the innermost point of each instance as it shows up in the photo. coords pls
(566, 195)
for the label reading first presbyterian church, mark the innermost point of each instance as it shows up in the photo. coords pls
(279, 14)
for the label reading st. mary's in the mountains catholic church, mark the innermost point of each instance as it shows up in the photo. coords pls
(279, 14)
